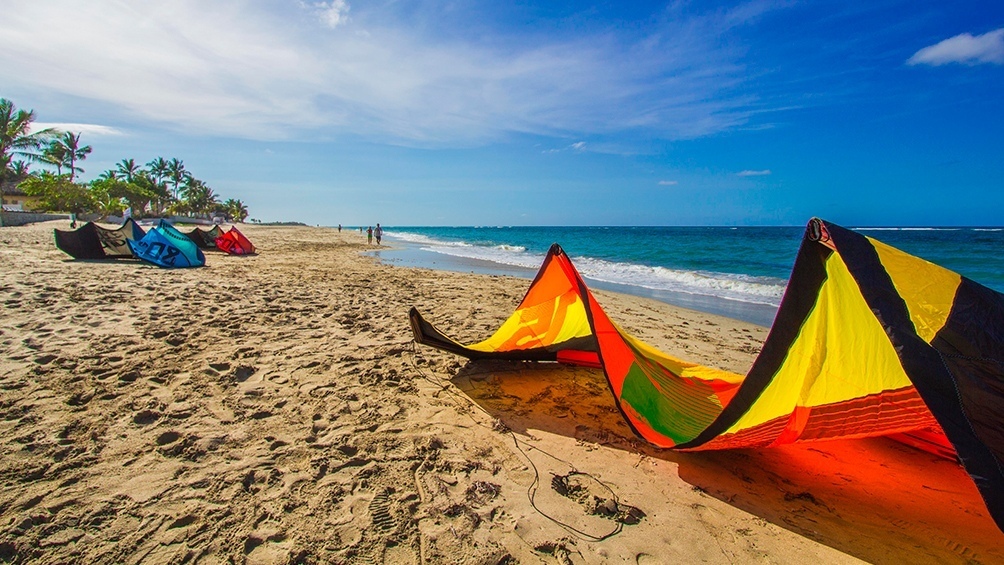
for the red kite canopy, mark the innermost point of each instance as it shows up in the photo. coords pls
(234, 243)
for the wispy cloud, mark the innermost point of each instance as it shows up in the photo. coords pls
(668, 183)
(751, 173)
(82, 129)
(257, 71)
(577, 146)
(963, 48)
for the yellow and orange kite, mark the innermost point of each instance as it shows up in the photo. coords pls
(867, 341)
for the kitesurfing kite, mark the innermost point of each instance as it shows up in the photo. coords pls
(205, 239)
(167, 247)
(92, 241)
(234, 243)
(868, 341)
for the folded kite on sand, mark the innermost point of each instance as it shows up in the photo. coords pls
(205, 239)
(234, 243)
(867, 341)
(167, 247)
(92, 241)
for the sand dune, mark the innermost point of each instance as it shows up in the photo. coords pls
(273, 409)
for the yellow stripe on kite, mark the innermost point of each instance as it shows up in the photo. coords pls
(841, 353)
(928, 290)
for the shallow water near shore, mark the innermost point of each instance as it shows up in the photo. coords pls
(738, 272)
(408, 255)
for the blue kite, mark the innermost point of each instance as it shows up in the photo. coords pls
(167, 247)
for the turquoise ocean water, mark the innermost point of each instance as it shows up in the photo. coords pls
(738, 272)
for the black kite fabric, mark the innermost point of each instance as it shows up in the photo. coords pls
(91, 241)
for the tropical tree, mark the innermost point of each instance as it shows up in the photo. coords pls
(107, 200)
(177, 174)
(178, 208)
(5, 169)
(13, 172)
(54, 154)
(16, 137)
(160, 196)
(57, 193)
(74, 152)
(19, 170)
(235, 210)
(135, 196)
(110, 174)
(158, 169)
(200, 198)
(127, 169)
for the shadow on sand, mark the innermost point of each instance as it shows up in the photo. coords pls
(874, 499)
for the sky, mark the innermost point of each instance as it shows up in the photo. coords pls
(429, 112)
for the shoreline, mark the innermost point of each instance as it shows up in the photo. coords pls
(273, 408)
(401, 253)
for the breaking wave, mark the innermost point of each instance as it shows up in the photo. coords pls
(744, 288)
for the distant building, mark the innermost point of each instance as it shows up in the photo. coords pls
(14, 199)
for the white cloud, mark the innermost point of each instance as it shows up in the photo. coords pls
(578, 146)
(253, 70)
(332, 14)
(81, 129)
(749, 173)
(963, 48)
(668, 183)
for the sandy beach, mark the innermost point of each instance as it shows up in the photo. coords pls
(273, 409)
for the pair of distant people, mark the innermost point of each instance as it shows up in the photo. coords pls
(370, 232)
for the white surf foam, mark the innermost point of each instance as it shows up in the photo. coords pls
(744, 288)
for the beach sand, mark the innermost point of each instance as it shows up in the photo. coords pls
(273, 409)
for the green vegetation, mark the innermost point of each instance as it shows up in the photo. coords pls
(58, 192)
(161, 187)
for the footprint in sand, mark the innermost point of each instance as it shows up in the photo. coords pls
(244, 372)
(380, 512)
(278, 379)
(168, 438)
(146, 417)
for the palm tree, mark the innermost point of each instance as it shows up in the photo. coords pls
(236, 210)
(16, 137)
(68, 146)
(18, 170)
(199, 196)
(13, 172)
(128, 169)
(54, 154)
(110, 174)
(177, 174)
(158, 169)
(159, 194)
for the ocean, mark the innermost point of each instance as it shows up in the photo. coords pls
(739, 272)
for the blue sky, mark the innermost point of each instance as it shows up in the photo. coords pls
(525, 113)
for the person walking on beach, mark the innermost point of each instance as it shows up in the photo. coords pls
(378, 232)
(369, 235)
(339, 228)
